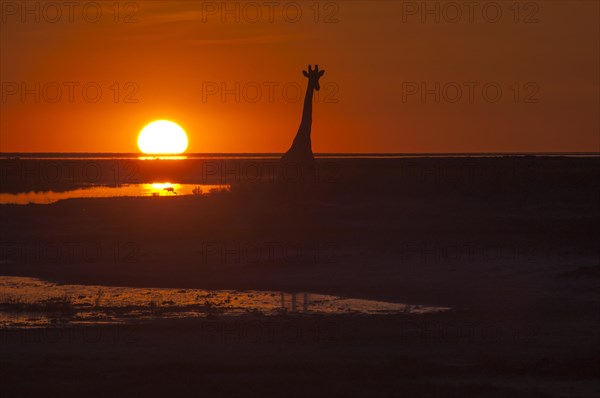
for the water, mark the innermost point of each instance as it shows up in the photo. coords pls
(30, 303)
(43, 178)
(126, 190)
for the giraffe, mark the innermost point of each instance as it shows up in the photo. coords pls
(301, 150)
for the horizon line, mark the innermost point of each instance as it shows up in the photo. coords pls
(316, 153)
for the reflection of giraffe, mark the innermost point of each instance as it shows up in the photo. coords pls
(294, 302)
(301, 150)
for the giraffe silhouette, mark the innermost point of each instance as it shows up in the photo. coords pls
(300, 152)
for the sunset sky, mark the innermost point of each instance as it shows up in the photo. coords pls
(378, 57)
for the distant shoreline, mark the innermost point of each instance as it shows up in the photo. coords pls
(133, 155)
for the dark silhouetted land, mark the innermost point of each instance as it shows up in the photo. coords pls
(509, 243)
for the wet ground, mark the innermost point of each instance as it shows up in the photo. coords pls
(30, 302)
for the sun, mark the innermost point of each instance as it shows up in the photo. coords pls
(162, 137)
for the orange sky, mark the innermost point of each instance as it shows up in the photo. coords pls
(377, 56)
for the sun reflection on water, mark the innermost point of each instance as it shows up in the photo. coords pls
(163, 157)
(162, 189)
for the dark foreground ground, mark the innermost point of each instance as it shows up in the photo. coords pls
(509, 243)
(457, 355)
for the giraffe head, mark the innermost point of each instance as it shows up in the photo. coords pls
(314, 76)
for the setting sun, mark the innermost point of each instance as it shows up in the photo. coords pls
(162, 137)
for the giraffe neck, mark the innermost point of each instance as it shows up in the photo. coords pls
(305, 124)
(301, 149)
